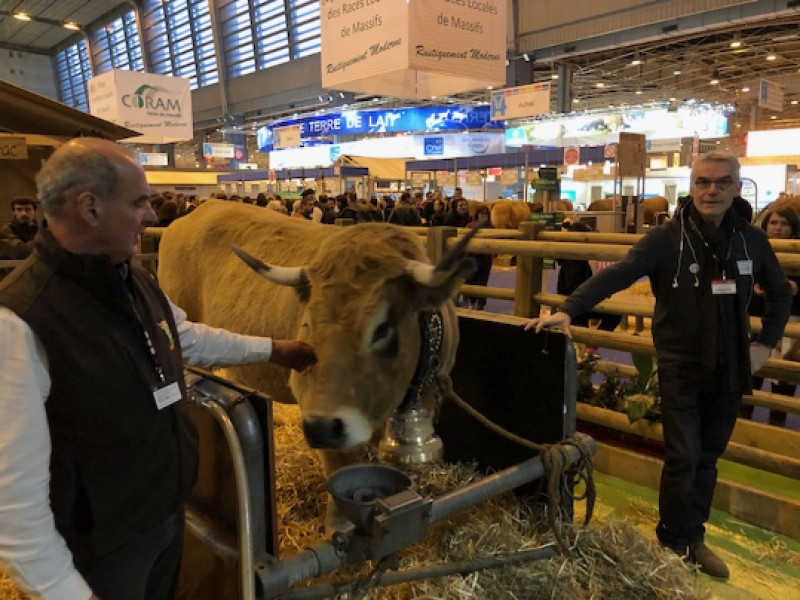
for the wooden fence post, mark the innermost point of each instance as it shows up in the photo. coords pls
(529, 275)
(437, 242)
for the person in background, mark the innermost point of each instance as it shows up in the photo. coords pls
(571, 274)
(459, 213)
(701, 265)
(779, 224)
(439, 214)
(23, 225)
(167, 213)
(304, 207)
(16, 236)
(404, 212)
(483, 262)
(97, 454)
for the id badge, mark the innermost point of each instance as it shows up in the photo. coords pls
(167, 395)
(745, 267)
(723, 287)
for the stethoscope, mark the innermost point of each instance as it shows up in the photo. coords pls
(694, 266)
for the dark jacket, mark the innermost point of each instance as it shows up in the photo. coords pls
(118, 464)
(679, 329)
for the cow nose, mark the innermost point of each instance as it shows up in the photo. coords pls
(324, 432)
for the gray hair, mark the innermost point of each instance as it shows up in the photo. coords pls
(720, 157)
(89, 170)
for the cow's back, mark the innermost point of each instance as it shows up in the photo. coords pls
(200, 273)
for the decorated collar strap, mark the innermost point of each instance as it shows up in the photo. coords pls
(431, 326)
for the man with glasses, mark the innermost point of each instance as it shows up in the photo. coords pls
(702, 266)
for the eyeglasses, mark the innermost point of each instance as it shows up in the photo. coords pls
(722, 183)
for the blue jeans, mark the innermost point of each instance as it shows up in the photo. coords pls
(698, 417)
(144, 568)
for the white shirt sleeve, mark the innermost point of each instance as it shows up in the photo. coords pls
(205, 346)
(31, 549)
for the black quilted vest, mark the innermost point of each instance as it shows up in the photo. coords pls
(118, 465)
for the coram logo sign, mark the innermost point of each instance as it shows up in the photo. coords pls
(146, 97)
(159, 107)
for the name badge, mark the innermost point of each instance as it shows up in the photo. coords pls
(721, 287)
(169, 394)
(745, 267)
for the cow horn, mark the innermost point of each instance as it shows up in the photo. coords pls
(433, 276)
(291, 276)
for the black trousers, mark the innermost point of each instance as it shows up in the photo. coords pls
(144, 568)
(698, 416)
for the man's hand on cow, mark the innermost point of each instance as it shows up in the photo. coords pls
(294, 355)
(558, 321)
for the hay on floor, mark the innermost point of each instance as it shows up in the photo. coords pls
(610, 559)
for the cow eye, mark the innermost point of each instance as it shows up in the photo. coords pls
(384, 338)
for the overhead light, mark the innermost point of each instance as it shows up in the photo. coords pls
(676, 72)
(554, 76)
(673, 99)
(793, 102)
(745, 89)
(21, 16)
(714, 78)
(599, 84)
(527, 57)
(772, 56)
(71, 25)
(736, 42)
(489, 87)
(575, 100)
(638, 92)
(773, 117)
(637, 60)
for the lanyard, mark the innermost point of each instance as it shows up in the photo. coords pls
(713, 254)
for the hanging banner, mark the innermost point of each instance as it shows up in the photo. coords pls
(413, 49)
(770, 95)
(631, 154)
(158, 106)
(286, 137)
(521, 101)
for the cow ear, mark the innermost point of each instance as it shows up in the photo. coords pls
(432, 293)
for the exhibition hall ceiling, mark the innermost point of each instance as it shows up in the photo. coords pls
(679, 67)
(46, 31)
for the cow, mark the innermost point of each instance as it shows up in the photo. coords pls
(651, 207)
(355, 294)
(508, 214)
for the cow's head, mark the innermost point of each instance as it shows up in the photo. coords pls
(362, 295)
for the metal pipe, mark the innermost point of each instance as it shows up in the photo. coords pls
(243, 499)
(205, 531)
(323, 558)
(496, 484)
(397, 577)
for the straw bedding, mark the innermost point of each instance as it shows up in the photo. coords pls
(610, 559)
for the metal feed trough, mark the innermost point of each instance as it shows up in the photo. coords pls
(237, 523)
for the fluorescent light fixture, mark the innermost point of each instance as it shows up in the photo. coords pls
(599, 84)
(638, 92)
(745, 89)
(772, 56)
(71, 25)
(21, 16)
(554, 76)
(527, 57)
(676, 72)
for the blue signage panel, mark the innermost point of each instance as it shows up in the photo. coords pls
(401, 120)
(434, 146)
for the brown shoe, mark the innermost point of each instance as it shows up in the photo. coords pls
(709, 563)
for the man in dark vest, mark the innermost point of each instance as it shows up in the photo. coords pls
(96, 453)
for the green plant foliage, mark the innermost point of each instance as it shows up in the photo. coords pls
(636, 396)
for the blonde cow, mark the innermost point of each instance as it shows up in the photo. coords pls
(355, 294)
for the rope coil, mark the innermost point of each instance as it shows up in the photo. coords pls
(561, 477)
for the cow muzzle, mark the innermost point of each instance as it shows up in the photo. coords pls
(340, 431)
(325, 432)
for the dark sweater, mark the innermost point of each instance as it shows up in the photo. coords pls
(679, 330)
